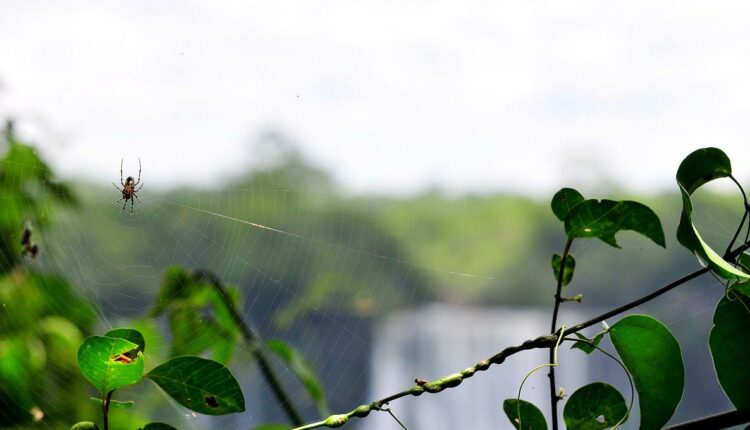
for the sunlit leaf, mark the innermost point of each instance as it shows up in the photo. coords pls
(564, 200)
(303, 371)
(531, 417)
(570, 266)
(653, 357)
(110, 363)
(200, 385)
(696, 169)
(85, 425)
(129, 334)
(604, 218)
(730, 349)
(595, 406)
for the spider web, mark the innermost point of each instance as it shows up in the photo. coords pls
(329, 274)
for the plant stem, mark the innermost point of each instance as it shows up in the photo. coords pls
(718, 421)
(554, 399)
(256, 347)
(105, 408)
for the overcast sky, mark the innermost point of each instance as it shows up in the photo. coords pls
(390, 96)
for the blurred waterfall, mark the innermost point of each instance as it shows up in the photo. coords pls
(435, 341)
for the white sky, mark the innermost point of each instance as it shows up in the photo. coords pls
(391, 96)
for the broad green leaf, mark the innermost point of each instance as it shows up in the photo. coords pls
(564, 200)
(101, 361)
(587, 347)
(698, 168)
(570, 267)
(157, 426)
(114, 404)
(689, 237)
(200, 385)
(595, 406)
(531, 417)
(730, 349)
(653, 357)
(271, 427)
(129, 334)
(702, 166)
(604, 218)
(303, 370)
(744, 261)
(85, 425)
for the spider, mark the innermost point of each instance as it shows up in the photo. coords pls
(129, 192)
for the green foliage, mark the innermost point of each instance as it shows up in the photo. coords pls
(595, 406)
(604, 218)
(697, 169)
(531, 418)
(570, 267)
(565, 200)
(102, 364)
(585, 344)
(157, 426)
(653, 358)
(304, 372)
(200, 385)
(85, 425)
(730, 348)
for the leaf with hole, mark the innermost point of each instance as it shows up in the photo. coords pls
(303, 371)
(604, 218)
(201, 385)
(109, 363)
(129, 334)
(730, 349)
(698, 168)
(595, 406)
(565, 200)
(654, 360)
(531, 417)
(570, 267)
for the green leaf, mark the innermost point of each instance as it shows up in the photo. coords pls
(531, 417)
(702, 166)
(595, 406)
(116, 404)
(129, 334)
(303, 371)
(565, 200)
(157, 426)
(587, 347)
(698, 168)
(201, 385)
(271, 427)
(85, 425)
(744, 261)
(100, 362)
(653, 357)
(570, 266)
(730, 349)
(604, 218)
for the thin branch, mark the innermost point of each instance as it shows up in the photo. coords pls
(253, 341)
(545, 341)
(554, 398)
(718, 421)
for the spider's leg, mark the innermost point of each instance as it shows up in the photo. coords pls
(139, 172)
(139, 188)
(118, 200)
(139, 199)
(123, 205)
(116, 187)
(121, 161)
(132, 200)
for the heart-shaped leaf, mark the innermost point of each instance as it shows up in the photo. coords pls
(303, 370)
(565, 200)
(698, 168)
(110, 363)
(604, 218)
(570, 267)
(730, 349)
(200, 385)
(595, 406)
(531, 417)
(653, 357)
